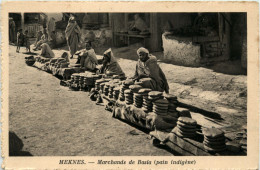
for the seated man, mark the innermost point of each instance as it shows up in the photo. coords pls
(46, 51)
(38, 37)
(138, 24)
(147, 67)
(87, 57)
(110, 65)
(44, 39)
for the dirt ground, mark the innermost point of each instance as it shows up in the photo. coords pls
(52, 120)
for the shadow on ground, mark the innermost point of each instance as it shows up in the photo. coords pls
(16, 146)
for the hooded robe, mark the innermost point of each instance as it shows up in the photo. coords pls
(72, 33)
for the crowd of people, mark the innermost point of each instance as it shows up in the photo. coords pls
(146, 67)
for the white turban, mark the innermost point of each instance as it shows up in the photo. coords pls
(142, 49)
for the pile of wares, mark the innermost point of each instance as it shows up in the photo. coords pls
(64, 65)
(95, 78)
(75, 78)
(97, 84)
(29, 60)
(88, 80)
(160, 107)
(128, 96)
(152, 96)
(172, 105)
(124, 87)
(186, 127)
(74, 65)
(147, 104)
(214, 140)
(155, 95)
(138, 100)
(102, 85)
(81, 80)
(111, 90)
(146, 82)
(116, 93)
(106, 88)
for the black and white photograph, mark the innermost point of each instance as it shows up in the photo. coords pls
(121, 84)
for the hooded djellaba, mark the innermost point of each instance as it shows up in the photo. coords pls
(147, 67)
(73, 34)
(110, 65)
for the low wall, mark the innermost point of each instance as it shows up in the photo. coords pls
(180, 52)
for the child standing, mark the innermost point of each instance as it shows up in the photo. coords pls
(26, 41)
(20, 39)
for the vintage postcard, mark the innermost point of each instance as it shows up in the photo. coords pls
(130, 85)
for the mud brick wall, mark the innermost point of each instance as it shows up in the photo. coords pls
(180, 53)
(244, 53)
(214, 49)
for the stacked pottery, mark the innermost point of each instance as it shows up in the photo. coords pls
(111, 90)
(135, 88)
(146, 82)
(147, 104)
(102, 85)
(106, 89)
(172, 105)
(124, 87)
(214, 140)
(138, 100)
(186, 127)
(97, 84)
(128, 96)
(95, 78)
(160, 107)
(81, 80)
(116, 92)
(76, 78)
(154, 95)
(72, 78)
(88, 80)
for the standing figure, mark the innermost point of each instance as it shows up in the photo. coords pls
(20, 39)
(147, 67)
(11, 30)
(27, 41)
(51, 26)
(72, 33)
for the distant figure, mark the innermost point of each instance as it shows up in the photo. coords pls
(51, 26)
(27, 41)
(88, 59)
(110, 65)
(147, 67)
(138, 24)
(44, 39)
(53, 39)
(38, 37)
(72, 33)
(11, 30)
(46, 51)
(20, 39)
